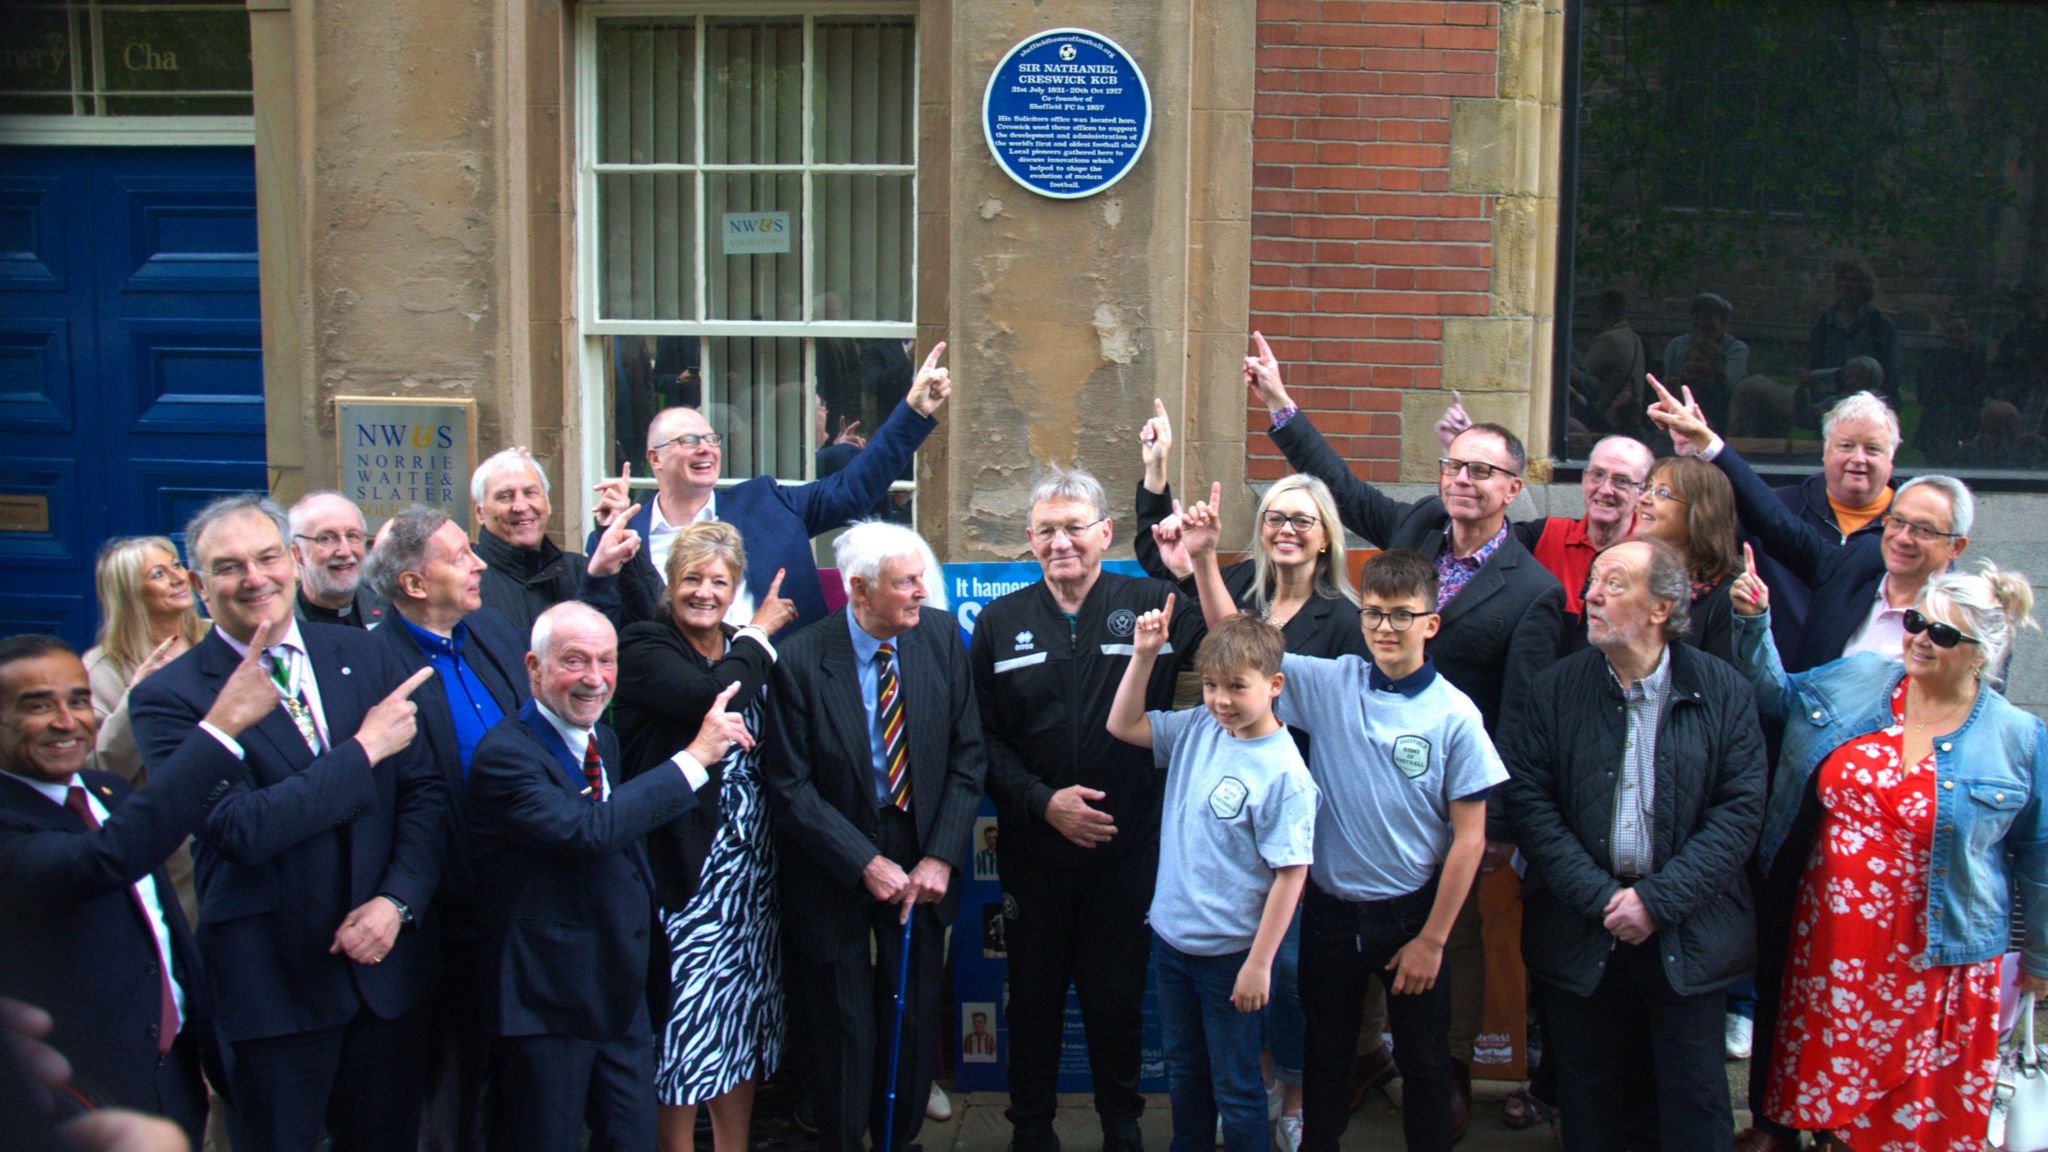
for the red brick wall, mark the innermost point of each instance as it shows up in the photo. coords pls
(1359, 249)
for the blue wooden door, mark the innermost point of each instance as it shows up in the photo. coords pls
(131, 377)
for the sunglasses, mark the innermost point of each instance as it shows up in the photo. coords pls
(1943, 635)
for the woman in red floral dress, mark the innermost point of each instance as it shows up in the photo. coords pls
(1884, 1040)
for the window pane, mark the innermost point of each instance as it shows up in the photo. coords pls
(860, 382)
(647, 235)
(175, 51)
(864, 258)
(756, 265)
(174, 104)
(646, 92)
(864, 101)
(755, 396)
(1842, 205)
(648, 374)
(755, 88)
(37, 58)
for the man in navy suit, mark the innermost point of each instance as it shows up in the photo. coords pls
(315, 871)
(565, 899)
(93, 935)
(776, 520)
(425, 569)
(876, 773)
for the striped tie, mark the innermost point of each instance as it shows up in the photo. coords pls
(895, 752)
(593, 772)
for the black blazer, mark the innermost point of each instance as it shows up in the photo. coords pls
(564, 898)
(823, 782)
(1843, 576)
(290, 851)
(1326, 626)
(665, 688)
(1502, 629)
(77, 944)
(497, 654)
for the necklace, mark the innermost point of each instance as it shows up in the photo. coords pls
(1945, 717)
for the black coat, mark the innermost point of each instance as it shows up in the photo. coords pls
(665, 688)
(564, 898)
(1501, 629)
(521, 583)
(1564, 760)
(822, 778)
(77, 944)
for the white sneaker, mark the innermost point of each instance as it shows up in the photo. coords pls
(1287, 1134)
(1219, 1131)
(937, 1106)
(1275, 1097)
(1740, 1036)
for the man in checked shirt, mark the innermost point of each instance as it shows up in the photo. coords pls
(1635, 791)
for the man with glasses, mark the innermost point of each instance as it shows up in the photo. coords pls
(1077, 809)
(329, 540)
(776, 520)
(315, 870)
(1613, 479)
(1502, 613)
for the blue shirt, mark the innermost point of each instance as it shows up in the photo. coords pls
(470, 704)
(864, 649)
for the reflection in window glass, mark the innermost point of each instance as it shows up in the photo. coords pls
(91, 58)
(757, 268)
(863, 100)
(1779, 202)
(647, 92)
(755, 94)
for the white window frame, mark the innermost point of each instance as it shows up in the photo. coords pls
(595, 404)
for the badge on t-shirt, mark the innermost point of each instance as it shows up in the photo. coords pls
(1411, 755)
(1228, 798)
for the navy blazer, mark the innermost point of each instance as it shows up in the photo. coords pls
(77, 944)
(290, 851)
(1502, 629)
(497, 654)
(1843, 576)
(564, 897)
(777, 521)
(822, 777)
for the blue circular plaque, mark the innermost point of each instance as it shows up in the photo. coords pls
(1067, 113)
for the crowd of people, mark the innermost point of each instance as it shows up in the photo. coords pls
(465, 844)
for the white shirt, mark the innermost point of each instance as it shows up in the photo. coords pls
(578, 740)
(309, 686)
(1883, 631)
(661, 536)
(145, 888)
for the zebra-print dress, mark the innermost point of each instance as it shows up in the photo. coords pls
(725, 1019)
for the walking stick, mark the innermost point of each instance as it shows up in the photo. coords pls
(896, 1036)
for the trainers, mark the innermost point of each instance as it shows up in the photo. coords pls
(1219, 1131)
(1275, 1097)
(1740, 1036)
(936, 1106)
(1287, 1135)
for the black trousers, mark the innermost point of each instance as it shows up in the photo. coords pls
(1636, 1059)
(458, 1054)
(1346, 946)
(359, 1082)
(546, 1089)
(852, 999)
(181, 1089)
(1085, 928)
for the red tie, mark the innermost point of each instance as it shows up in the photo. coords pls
(167, 1018)
(593, 771)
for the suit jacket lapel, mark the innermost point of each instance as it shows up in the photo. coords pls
(839, 694)
(217, 662)
(924, 714)
(572, 772)
(1484, 583)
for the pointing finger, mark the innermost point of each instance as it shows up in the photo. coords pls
(623, 522)
(932, 361)
(725, 697)
(1748, 559)
(1215, 494)
(1662, 393)
(626, 470)
(1159, 406)
(1457, 398)
(404, 691)
(1166, 613)
(775, 586)
(1265, 349)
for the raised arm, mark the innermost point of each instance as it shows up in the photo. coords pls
(1363, 508)
(831, 501)
(1127, 719)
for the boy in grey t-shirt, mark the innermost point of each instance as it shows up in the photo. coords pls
(1237, 831)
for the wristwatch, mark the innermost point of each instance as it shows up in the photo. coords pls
(404, 913)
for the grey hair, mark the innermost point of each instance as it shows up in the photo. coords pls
(1988, 604)
(1864, 405)
(297, 514)
(1962, 505)
(866, 545)
(543, 637)
(480, 480)
(1076, 483)
(401, 548)
(1669, 582)
(221, 507)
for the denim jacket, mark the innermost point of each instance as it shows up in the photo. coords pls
(1991, 834)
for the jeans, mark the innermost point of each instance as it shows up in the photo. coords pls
(1285, 1024)
(1345, 947)
(1212, 1052)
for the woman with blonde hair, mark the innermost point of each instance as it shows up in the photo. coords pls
(714, 867)
(1931, 788)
